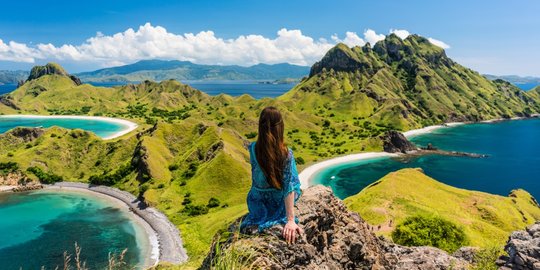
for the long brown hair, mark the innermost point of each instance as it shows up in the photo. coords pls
(270, 149)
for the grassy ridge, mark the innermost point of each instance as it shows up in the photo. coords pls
(487, 219)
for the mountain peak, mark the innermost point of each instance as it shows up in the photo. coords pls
(50, 69)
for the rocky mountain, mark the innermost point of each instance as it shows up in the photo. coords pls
(334, 238)
(159, 70)
(404, 84)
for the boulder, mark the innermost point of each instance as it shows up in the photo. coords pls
(396, 142)
(523, 248)
(334, 238)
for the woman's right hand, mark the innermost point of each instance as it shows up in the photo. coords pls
(290, 230)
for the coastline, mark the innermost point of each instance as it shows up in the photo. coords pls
(129, 126)
(307, 174)
(163, 236)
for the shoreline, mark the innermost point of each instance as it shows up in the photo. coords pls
(151, 255)
(307, 173)
(164, 238)
(129, 126)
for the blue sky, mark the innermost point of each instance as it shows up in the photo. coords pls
(500, 37)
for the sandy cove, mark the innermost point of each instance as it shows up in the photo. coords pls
(129, 126)
(306, 174)
(164, 237)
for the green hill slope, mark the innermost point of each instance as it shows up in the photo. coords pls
(487, 219)
(406, 84)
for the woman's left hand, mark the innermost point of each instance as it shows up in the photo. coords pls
(290, 230)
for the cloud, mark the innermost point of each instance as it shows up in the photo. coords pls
(17, 52)
(439, 43)
(373, 37)
(403, 34)
(155, 42)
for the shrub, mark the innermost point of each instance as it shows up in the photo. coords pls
(195, 210)
(8, 167)
(300, 160)
(111, 178)
(173, 167)
(213, 202)
(429, 231)
(45, 177)
(251, 135)
(191, 170)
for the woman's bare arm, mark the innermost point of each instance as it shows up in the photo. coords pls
(291, 228)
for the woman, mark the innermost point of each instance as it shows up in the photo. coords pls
(275, 185)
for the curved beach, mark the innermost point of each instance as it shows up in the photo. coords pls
(306, 174)
(164, 237)
(129, 126)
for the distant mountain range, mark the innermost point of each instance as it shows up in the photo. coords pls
(12, 76)
(525, 83)
(159, 70)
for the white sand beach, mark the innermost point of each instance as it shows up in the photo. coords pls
(306, 174)
(129, 126)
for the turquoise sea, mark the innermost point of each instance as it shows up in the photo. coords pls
(37, 227)
(100, 127)
(514, 160)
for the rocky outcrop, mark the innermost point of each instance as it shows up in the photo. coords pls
(51, 69)
(523, 248)
(396, 142)
(27, 134)
(334, 238)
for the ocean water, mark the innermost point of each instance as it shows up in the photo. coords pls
(513, 161)
(37, 227)
(100, 127)
(238, 88)
(233, 88)
(6, 88)
(526, 86)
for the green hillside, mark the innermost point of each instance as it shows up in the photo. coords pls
(191, 147)
(487, 219)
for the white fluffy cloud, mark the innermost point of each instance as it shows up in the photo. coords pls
(439, 43)
(373, 37)
(403, 34)
(155, 42)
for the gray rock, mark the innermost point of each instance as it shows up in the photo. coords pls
(396, 142)
(334, 238)
(523, 248)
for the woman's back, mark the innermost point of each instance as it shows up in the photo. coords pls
(266, 203)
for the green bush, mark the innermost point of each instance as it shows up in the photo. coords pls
(111, 178)
(251, 135)
(300, 160)
(195, 210)
(213, 202)
(191, 170)
(429, 231)
(8, 167)
(45, 177)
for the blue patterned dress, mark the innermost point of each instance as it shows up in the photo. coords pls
(266, 204)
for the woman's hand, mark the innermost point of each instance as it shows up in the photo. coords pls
(290, 230)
